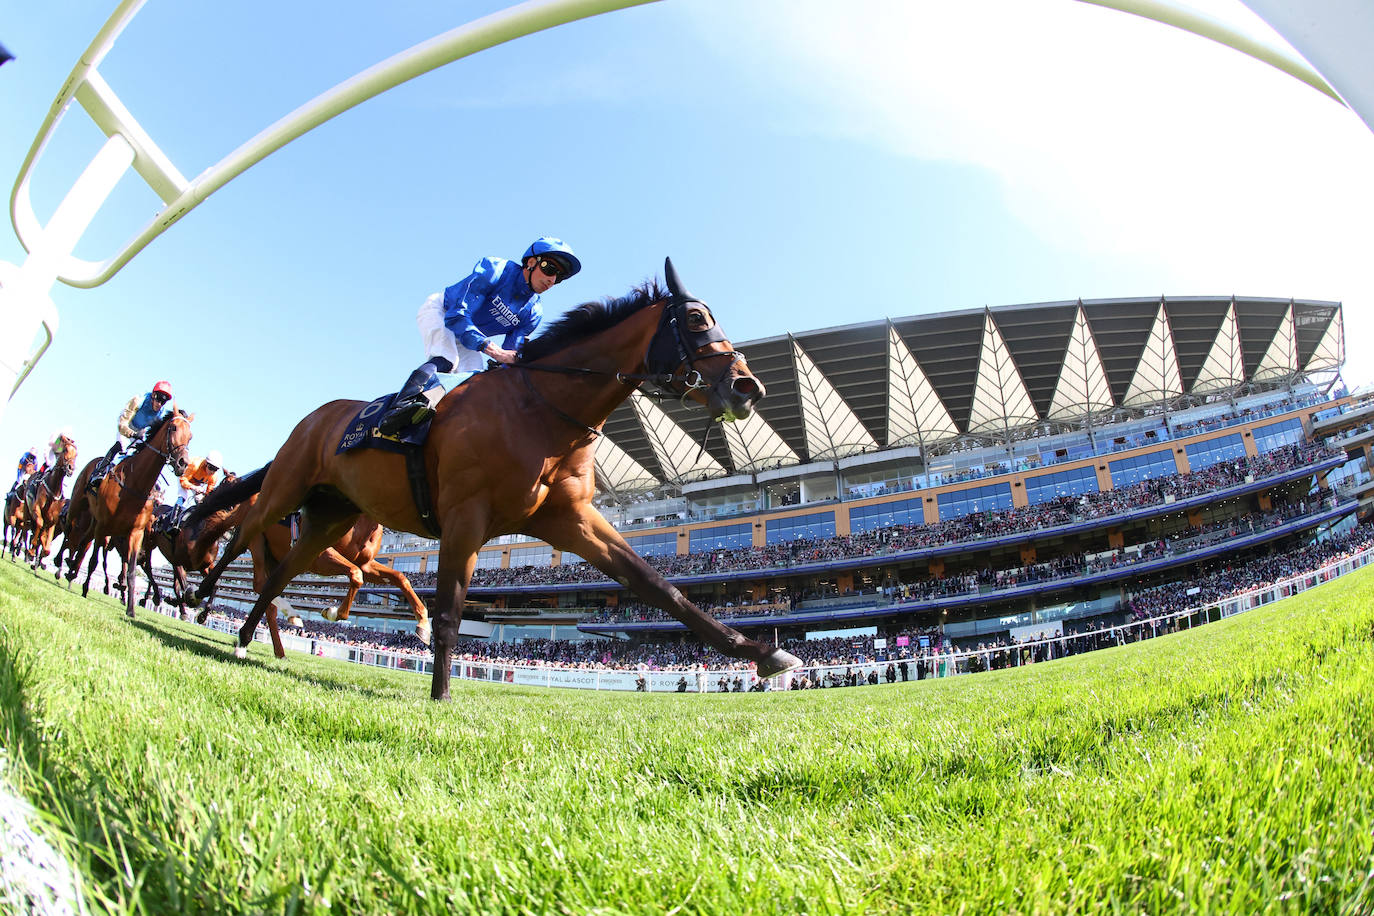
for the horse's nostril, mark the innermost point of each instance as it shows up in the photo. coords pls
(748, 387)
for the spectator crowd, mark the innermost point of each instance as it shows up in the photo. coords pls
(908, 651)
(895, 540)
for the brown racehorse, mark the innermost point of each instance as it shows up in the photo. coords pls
(44, 502)
(512, 452)
(120, 509)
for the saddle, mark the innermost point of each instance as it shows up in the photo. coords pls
(362, 431)
(409, 442)
(165, 519)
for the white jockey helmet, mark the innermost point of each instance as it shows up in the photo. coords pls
(215, 458)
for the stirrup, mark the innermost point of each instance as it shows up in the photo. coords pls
(412, 412)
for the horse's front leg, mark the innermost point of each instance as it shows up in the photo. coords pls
(132, 547)
(582, 530)
(457, 559)
(179, 590)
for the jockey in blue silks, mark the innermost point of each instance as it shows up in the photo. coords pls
(461, 325)
(27, 464)
(139, 415)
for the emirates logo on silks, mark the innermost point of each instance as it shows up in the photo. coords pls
(502, 313)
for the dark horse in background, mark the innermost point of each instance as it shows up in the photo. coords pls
(511, 452)
(14, 522)
(192, 548)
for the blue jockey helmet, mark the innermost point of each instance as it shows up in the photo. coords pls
(547, 246)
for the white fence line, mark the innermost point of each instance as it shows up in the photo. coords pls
(928, 665)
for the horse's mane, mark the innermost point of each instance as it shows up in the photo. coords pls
(590, 318)
(227, 495)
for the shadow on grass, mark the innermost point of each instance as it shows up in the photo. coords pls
(212, 644)
(215, 645)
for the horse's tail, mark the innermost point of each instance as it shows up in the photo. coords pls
(228, 495)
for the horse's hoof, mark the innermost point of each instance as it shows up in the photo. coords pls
(295, 621)
(777, 662)
(330, 613)
(240, 651)
(200, 617)
(131, 614)
(423, 632)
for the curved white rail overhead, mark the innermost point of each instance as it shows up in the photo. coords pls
(25, 305)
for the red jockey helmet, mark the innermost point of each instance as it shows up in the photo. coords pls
(163, 388)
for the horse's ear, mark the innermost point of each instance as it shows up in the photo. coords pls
(674, 282)
(190, 417)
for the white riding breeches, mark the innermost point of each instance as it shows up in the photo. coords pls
(440, 341)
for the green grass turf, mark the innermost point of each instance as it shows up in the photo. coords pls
(1224, 769)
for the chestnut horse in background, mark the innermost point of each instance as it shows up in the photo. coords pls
(121, 508)
(44, 502)
(512, 452)
(353, 555)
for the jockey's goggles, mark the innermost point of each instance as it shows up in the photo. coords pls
(552, 268)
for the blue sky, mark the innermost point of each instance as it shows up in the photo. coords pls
(805, 164)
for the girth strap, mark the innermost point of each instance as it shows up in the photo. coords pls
(419, 489)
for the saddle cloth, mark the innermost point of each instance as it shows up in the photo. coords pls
(362, 431)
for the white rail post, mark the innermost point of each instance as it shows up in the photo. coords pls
(25, 304)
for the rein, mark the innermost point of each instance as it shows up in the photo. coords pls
(554, 407)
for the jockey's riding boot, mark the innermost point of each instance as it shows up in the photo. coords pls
(104, 466)
(410, 405)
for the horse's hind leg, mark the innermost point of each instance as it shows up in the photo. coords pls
(324, 519)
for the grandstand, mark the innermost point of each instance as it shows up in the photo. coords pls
(979, 474)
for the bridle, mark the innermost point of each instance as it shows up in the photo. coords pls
(675, 348)
(177, 457)
(671, 357)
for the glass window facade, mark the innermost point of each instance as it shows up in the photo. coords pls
(990, 498)
(885, 515)
(1213, 451)
(406, 564)
(486, 559)
(1284, 432)
(1045, 487)
(1126, 471)
(661, 544)
(531, 556)
(704, 539)
(815, 525)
